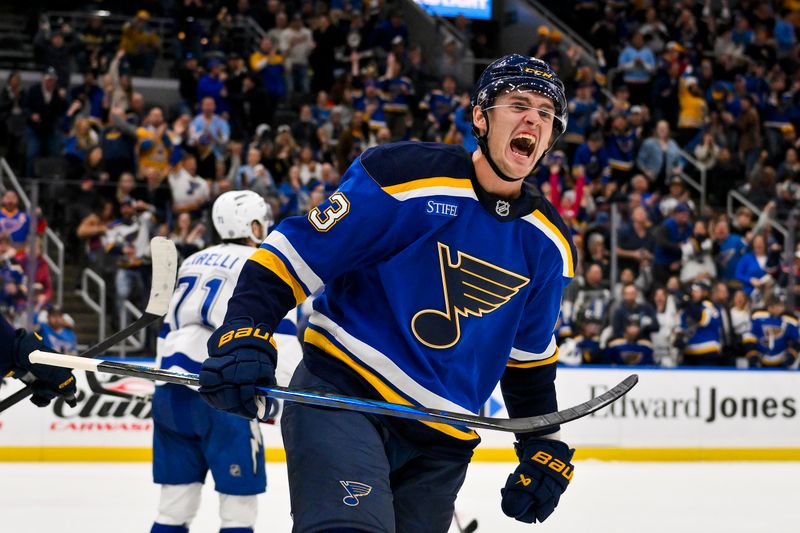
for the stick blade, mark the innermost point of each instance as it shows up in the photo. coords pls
(165, 269)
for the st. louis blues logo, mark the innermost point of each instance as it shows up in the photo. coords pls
(355, 490)
(471, 287)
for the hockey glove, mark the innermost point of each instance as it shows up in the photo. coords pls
(241, 355)
(532, 492)
(48, 381)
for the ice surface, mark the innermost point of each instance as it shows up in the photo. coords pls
(605, 497)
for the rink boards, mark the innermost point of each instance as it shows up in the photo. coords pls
(670, 415)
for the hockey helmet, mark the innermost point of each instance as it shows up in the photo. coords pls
(522, 73)
(516, 72)
(234, 212)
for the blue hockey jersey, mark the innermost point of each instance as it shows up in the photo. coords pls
(434, 289)
(622, 352)
(703, 323)
(772, 340)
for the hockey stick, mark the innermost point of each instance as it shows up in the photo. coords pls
(469, 528)
(516, 425)
(165, 267)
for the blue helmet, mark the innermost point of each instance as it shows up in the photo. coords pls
(516, 71)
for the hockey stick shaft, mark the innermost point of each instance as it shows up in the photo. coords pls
(165, 267)
(363, 405)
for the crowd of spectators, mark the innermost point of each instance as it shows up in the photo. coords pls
(672, 84)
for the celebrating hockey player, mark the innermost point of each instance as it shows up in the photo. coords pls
(191, 438)
(47, 381)
(442, 275)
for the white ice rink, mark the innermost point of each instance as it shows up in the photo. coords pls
(605, 497)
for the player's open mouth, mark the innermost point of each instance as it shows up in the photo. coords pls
(523, 144)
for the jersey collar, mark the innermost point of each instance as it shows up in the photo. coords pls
(504, 209)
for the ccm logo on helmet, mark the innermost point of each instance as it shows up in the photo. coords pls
(538, 72)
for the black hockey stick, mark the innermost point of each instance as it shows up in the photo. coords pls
(363, 405)
(165, 267)
(469, 528)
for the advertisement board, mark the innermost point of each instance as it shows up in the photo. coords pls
(670, 414)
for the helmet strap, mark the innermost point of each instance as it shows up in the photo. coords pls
(483, 143)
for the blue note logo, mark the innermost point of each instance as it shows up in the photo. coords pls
(471, 287)
(355, 490)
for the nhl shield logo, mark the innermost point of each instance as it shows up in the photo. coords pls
(502, 208)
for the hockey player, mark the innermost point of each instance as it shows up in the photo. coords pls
(443, 275)
(189, 437)
(632, 348)
(773, 338)
(701, 328)
(48, 381)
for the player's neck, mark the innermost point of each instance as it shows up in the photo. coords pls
(491, 182)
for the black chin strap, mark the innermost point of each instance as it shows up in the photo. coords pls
(484, 146)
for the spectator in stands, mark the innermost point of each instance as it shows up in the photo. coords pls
(670, 235)
(12, 120)
(593, 298)
(740, 314)
(701, 341)
(636, 244)
(212, 85)
(90, 96)
(190, 192)
(45, 107)
(659, 157)
(591, 161)
(14, 222)
(187, 235)
(154, 146)
(663, 340)
(720, 296)
(697, 262)
(94, 46)
(297, 42)
(208, 134)
(728, 249)
(55, 49)
(127, 239)
(633, 309)
(751, 270)
(91, 230)
(12, 277)
(140, 43)
(638, 65)
(56, 332)
(693, 110)
(749, 126)
(42, 279)
(322, 58)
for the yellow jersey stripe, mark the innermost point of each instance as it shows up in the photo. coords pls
(321, 341)
(461, 183)
(559, 240)
(272, 262)
(530, 364)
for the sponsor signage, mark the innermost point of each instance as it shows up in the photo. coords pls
(679, 409)
(668, 410)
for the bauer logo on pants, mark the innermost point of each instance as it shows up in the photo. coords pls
(355, 490)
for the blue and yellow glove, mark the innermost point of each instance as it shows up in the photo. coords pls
(532, 492)
(48, 381)
(241, 355)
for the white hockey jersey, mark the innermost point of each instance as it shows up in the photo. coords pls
(205, 283)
